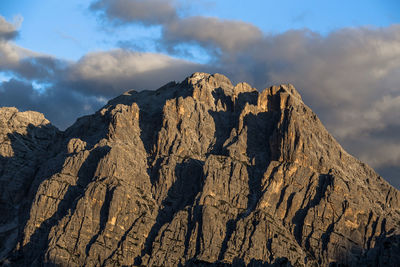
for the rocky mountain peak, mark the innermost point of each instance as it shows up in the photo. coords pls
(196, 173)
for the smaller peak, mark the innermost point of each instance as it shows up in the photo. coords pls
(8, 110)
(167, 86)
(220, 78)
(15, 119)
(197, 76)
(31, 117)
(283, 96)
(243, 88)
(215, 78)
(130, 92)
(27, 116)
(288, 88)
(6, 113)
(292, 90)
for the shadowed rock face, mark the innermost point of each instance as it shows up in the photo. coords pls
(198, 173)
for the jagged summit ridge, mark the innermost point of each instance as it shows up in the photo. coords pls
(194, 173)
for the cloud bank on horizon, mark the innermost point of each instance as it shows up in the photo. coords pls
(350, 76)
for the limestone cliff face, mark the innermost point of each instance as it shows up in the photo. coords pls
(197, 173)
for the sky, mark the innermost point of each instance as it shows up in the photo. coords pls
(68, 58)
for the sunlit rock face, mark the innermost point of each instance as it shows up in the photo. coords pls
(196, 173)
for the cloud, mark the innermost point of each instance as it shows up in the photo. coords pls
(147, 12)
(391, 171)
(22, 62)
(10, 54)
(9, 31)
(227, 35)
(60, 105)
(375, 136)
(209, 32)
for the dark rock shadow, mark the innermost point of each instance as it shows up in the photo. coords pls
(238, 262)
(181, 195)
(224, 121)
(386, 251)
(41, 163)
(324, 180)
(104, 211)
(35, 248)
(151, 104)
(259, 129)
(17, 179)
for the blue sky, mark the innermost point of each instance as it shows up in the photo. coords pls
(67, 58)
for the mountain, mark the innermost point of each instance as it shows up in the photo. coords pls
(197, 173)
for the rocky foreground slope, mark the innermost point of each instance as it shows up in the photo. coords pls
(198, 173)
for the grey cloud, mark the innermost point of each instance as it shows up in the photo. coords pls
(60, 105)
(212, 33)
(28, 65)
(147, 12)
(11, 54)
(24, 63)
(8, 31)
(100, 74)
(41, 68)
(379, 151)
(227, 35)
(393, 172)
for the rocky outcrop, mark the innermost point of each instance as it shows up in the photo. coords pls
(197, 173)
(26, 140)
